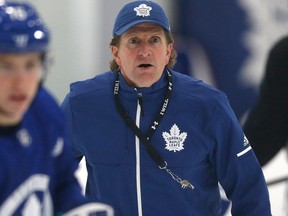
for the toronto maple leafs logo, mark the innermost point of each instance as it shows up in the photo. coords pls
(32, 198)
(174, 140)
(143, 10)
(20, 40)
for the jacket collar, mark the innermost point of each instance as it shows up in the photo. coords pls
(160, 84)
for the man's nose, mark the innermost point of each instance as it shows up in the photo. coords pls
(144, 49)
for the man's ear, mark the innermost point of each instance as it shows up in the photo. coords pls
(168, 52)
(114, 51)
(170, 48)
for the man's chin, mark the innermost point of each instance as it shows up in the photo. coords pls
(11, 117)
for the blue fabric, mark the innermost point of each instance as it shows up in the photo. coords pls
(208, 154)
(138, 12)
(37, 165)
(219, 27)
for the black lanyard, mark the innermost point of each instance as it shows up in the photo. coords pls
(145, 139)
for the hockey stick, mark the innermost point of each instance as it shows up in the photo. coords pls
(276, 181)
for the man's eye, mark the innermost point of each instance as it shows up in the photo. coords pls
(33, 65)
(133, 41)
(155, 39)
(30, 65)
(5, 67)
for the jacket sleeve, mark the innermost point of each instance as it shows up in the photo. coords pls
(237, 168)
(67, 109)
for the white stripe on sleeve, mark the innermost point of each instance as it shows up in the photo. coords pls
(244, 151)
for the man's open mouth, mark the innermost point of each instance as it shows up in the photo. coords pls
(145, 65)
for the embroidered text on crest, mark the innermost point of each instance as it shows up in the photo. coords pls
(174, 140)
(143, 10)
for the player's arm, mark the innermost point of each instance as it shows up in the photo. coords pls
(237, 168)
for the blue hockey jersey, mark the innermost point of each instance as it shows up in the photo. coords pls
(37, 168)
(199, 137)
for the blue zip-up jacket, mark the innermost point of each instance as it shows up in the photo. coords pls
(199, 137)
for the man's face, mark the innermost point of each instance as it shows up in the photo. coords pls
(142, 54)
(19, 80)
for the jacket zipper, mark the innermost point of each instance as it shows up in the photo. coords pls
(139, 112)
(140, 103)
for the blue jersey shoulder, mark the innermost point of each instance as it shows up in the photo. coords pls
(98, 83)
(46, 109)
(192, 87)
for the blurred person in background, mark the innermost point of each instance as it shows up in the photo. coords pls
(267, 123)
(226, 44)
(37, 169)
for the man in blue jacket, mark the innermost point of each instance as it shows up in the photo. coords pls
(157, 142)
(37, 168)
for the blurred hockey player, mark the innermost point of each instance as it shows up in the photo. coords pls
(37, 170)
